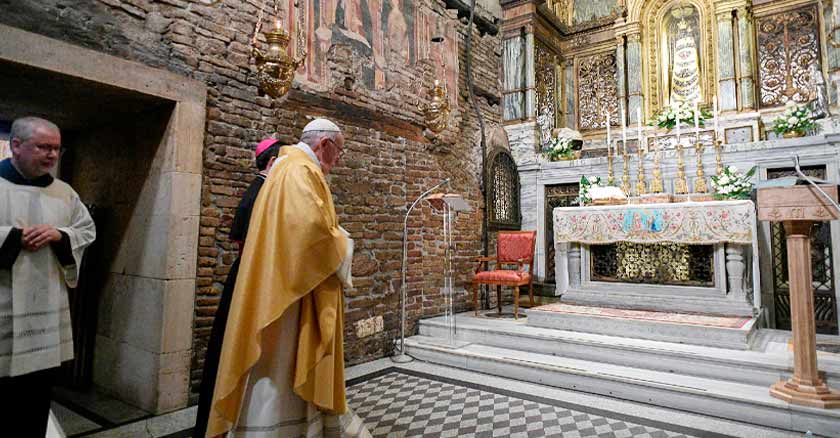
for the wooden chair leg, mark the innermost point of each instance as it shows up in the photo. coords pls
(516, 302)
(531, 293)
(475, 297)
(499, 297)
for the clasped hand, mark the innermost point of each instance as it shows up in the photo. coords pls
(39, 236)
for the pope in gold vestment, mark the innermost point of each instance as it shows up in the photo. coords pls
(287, 283)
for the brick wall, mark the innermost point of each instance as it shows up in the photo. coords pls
(390, 160)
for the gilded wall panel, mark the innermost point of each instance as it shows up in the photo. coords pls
(546, 88)
(597, 91)
(788, 44)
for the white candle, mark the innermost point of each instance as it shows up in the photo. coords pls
(639, 119)
(696, 121)
(714, 113)
(623, 131)
(609, 134)
(678, 129)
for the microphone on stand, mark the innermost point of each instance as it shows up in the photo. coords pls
(402, 358)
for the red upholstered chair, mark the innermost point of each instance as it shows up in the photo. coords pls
(512, 248)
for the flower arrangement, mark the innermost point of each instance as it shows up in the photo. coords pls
(732, 185)
(684, 112)
(796, 119)
(585, 184)
(559, 148)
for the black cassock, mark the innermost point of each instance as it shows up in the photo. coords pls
(238, 233)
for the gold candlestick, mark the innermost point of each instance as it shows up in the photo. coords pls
(680, 184)
(656, 185)
(700, 182)
(641, 184)
(625, 177)
(610, 175)
(718, 160)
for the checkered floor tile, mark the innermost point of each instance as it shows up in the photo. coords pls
(401, 405)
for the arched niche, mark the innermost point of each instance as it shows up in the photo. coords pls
(653, 17)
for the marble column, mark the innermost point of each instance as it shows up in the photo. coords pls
(574, 265)
(726, 63)
(634, 77)
(513, 80)
(560, 92)
(735, 268)
(620, 70)
(561, 267)
(832, 18)
(530, 77)
(514, 77)
(569, 79)
(746, 83)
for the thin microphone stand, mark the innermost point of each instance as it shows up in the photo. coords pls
(402, 357)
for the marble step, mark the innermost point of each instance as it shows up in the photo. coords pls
(772, 363)
(736, 401)
(655, 330)
(637, 297)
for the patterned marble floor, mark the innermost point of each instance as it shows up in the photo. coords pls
(402, 403)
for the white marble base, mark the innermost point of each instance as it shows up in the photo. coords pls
(646, 298)
(768, 362)
(738, 339)
(591, 363)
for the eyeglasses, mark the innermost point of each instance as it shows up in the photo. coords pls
(47, 148)
(341, 151)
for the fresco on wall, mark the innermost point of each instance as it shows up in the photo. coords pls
(383, 36)
(589, 10)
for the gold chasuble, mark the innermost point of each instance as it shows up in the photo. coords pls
(294, 249)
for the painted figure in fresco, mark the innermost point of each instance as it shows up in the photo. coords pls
(398, 53)
(378, 43)
(319, 70)
(683, 56)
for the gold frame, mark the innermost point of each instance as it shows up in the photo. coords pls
(651, 18)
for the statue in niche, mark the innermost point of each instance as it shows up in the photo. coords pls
(819, 96)
(681, 55)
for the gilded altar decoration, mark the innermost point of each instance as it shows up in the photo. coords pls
(653, 263)
(703, 223)
(546, 90)
(678, 50)
(275, 68)
(436, 112)
(788, 45)
(597, 91)
(700, 185)
(681, 60)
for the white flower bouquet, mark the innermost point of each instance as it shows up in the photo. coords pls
(733, 185)
(559, 148)
(796, 119)
(585, 185)
(684, 112)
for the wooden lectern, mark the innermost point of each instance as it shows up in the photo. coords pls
(798, 208)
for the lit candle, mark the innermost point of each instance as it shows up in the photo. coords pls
(714, 112)
(277, 24)
(639, 119)
(624, 130)
(609, 133)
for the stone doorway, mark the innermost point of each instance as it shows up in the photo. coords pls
(135, 137)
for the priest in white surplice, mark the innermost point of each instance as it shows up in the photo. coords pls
(44, 230)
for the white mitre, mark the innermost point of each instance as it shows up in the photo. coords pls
(321, 125)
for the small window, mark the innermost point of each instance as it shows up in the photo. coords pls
(503, 196)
